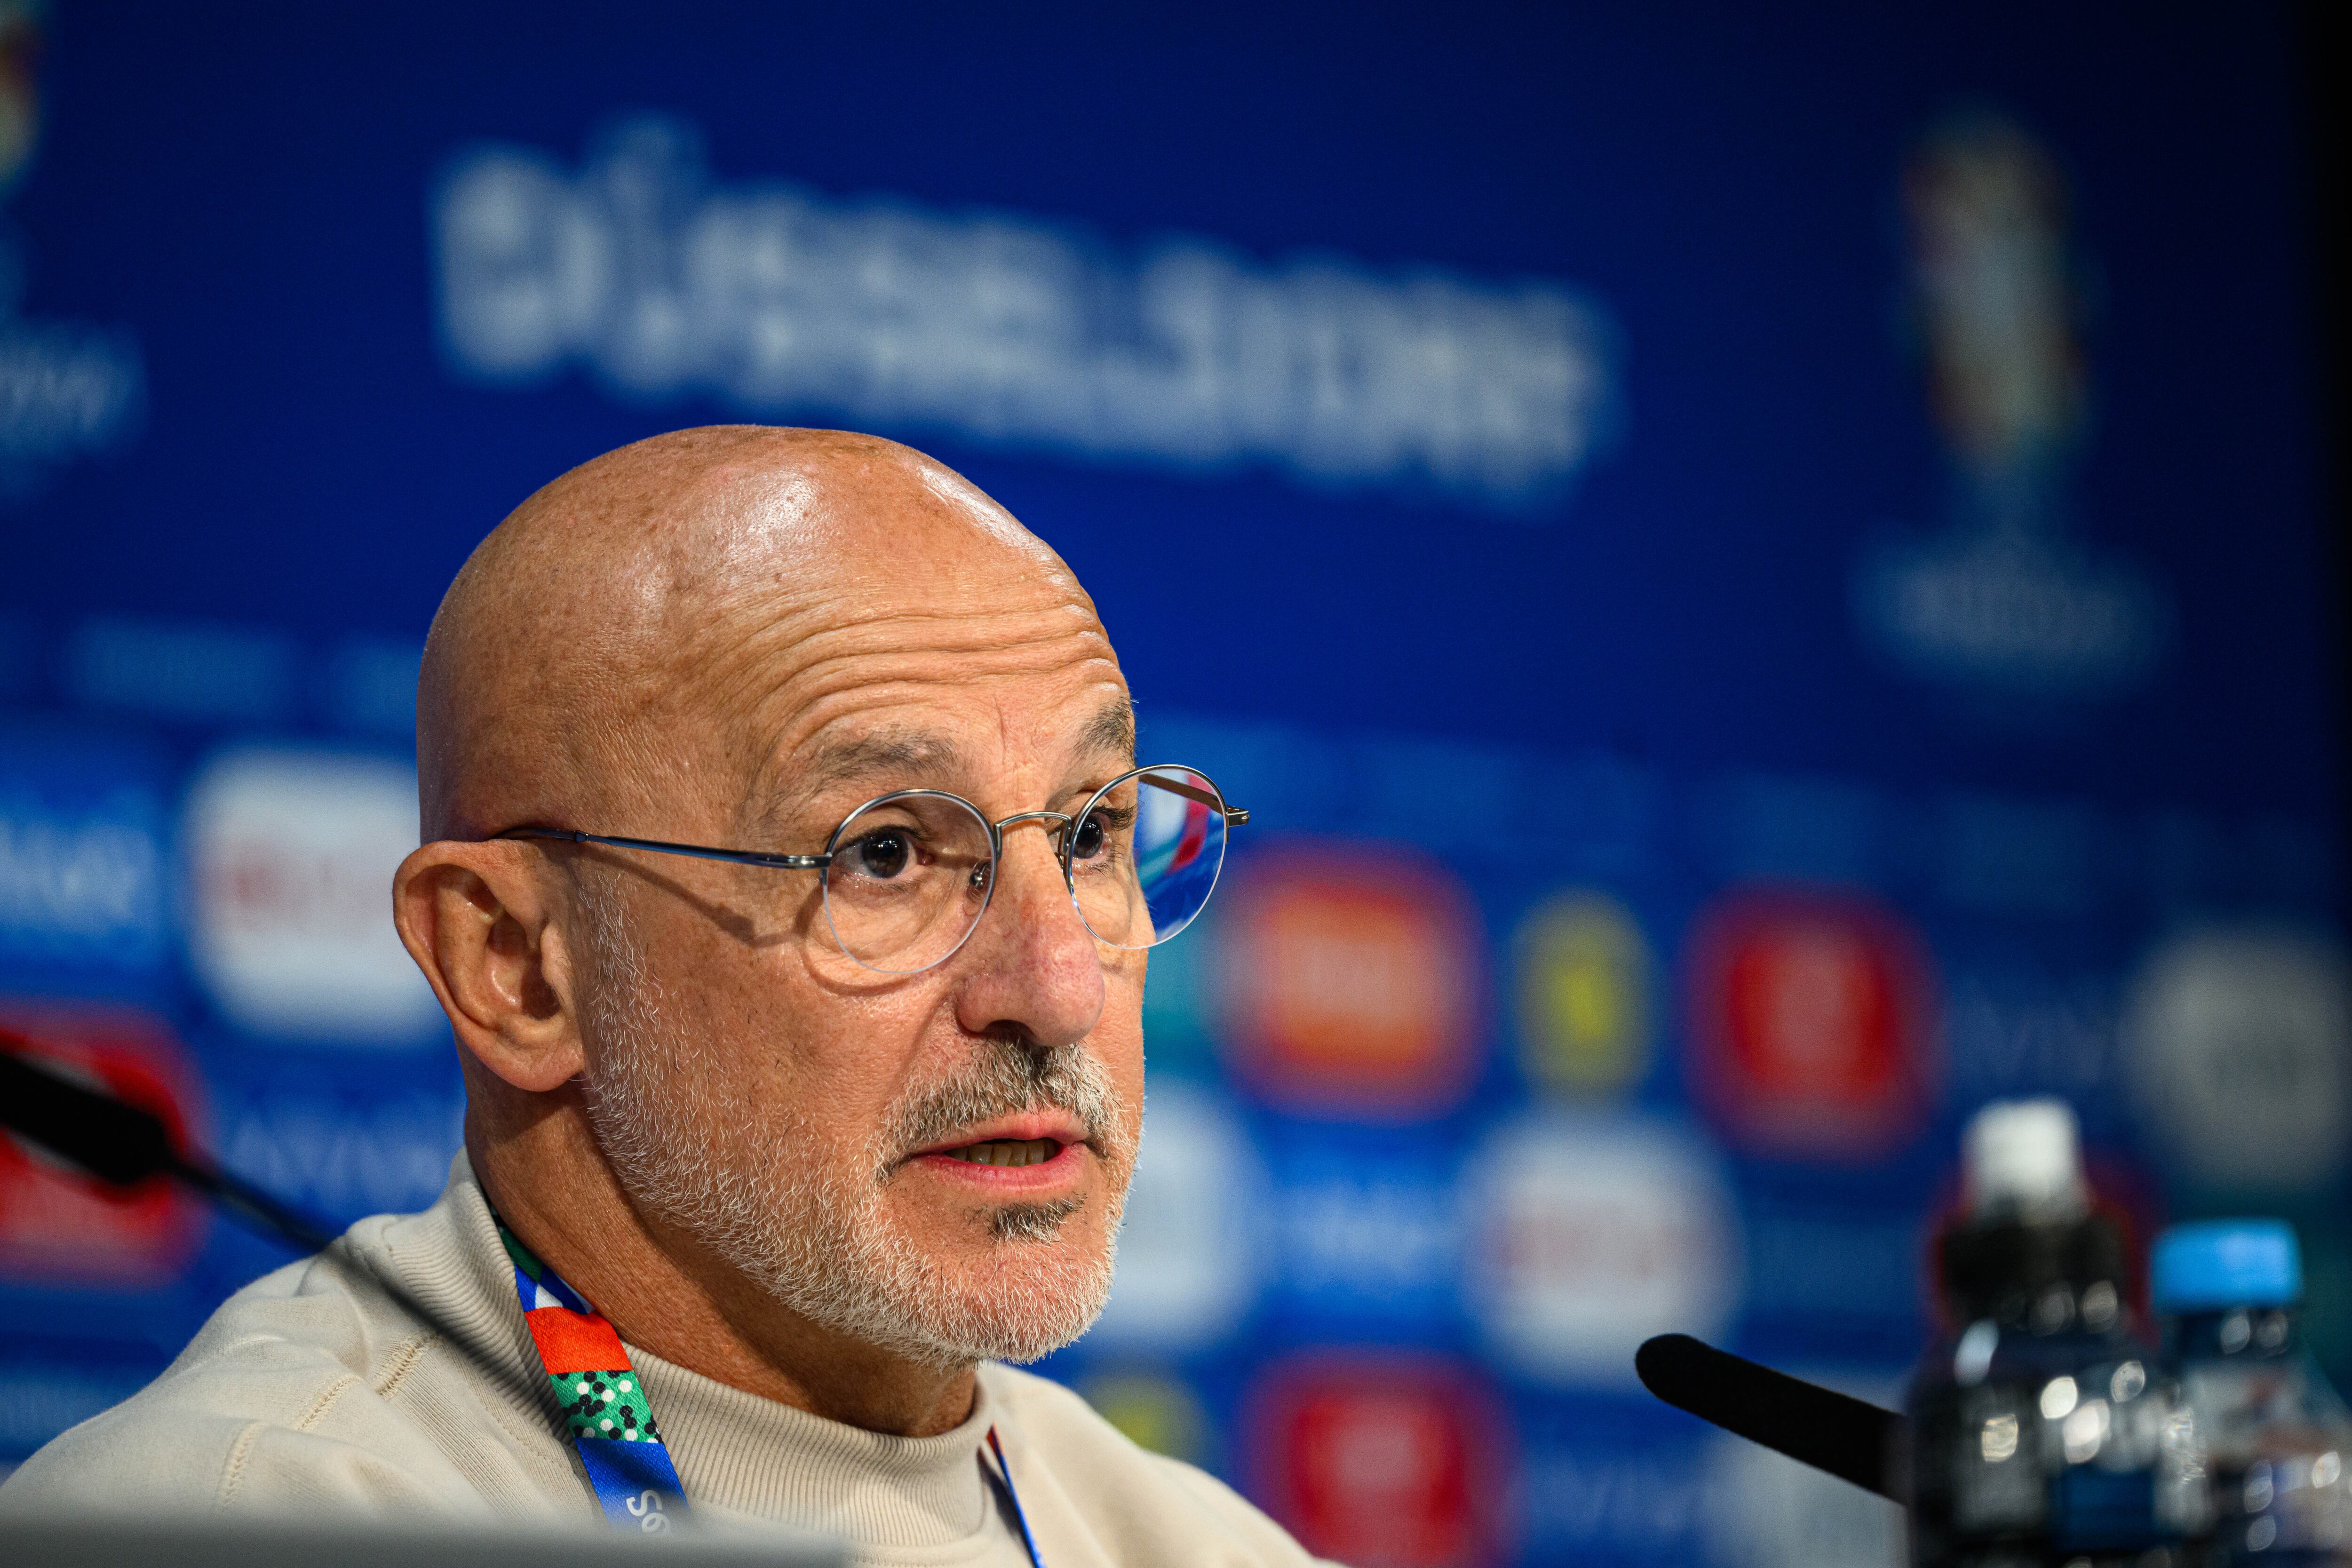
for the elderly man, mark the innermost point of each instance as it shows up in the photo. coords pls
(788, 881)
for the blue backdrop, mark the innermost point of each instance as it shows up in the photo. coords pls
(1760, 575)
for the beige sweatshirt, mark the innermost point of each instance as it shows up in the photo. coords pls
(314, 1389)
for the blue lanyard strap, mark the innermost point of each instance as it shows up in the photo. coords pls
(1003, 1475)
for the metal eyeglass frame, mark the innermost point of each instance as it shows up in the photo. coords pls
(1213, 798)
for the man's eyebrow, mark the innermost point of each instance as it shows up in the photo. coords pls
(888, 751)
(902, 757)
(1112, 730)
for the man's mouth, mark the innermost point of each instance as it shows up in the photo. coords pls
(1035, 1154)
(1007, 1152)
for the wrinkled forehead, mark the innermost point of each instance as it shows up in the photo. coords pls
(1004, 693)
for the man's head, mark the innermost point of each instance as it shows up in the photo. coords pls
(734, 637)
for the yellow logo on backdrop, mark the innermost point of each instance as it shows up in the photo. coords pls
(1584, 984)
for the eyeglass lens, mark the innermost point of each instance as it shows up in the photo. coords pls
(910, 874)
(1144, 856)
(908, 880)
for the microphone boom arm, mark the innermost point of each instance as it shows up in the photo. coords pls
(1846, 1438)
(123, 1144)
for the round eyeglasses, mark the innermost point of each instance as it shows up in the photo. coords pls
(908, 875)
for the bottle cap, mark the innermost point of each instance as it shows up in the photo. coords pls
(2226, 1263)
(2022, 1155)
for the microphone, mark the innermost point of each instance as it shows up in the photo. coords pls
(1849, 1438)
(123, 1144)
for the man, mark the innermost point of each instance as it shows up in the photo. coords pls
(780, 1152)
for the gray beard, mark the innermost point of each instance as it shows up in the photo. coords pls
(753, 1184)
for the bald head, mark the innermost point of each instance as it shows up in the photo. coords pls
(700, 602)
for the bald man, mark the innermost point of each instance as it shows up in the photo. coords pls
(784, 1130)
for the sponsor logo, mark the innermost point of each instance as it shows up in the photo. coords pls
(1188, 1246)
(1007, 330)
(1589, 1498)
(82, 865)
(1585, 982)
(1381, 1461)
(2015, 1028)
(343, 1154)
(290, 861)
(1812, 1025)
(1590, 1236)
(2238, 1044)
(2003, 601)
(1369, 1227)
(60, 1227)
(1352, 983)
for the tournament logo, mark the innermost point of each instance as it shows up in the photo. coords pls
(1812, 1025)
(1585, 982)
(2239, 1043)
(1189, 1248)
(2004, 598)
(291, 854)
(60, 1227)
(1383, 1461)
(1352, 982)
(1590, 1235)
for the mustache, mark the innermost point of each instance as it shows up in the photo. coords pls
(1010, 1074)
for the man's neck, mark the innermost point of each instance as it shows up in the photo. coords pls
(665, 1293)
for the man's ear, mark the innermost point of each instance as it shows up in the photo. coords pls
(475, 918)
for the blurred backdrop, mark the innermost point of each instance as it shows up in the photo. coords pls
(1764, 578)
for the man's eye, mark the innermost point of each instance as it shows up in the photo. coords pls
(1086, 840)
(884, 854)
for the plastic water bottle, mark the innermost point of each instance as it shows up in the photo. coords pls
(2041, 1434)
(2274, 1437)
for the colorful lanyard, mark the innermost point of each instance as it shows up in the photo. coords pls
(604, 1404)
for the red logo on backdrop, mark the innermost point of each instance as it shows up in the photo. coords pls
(1351, 981)
(59, 1226)
(1812, 1025)
(1381, 1462)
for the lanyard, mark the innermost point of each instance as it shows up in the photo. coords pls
(603, 1400)
(1003, 1475)
(611, 1423)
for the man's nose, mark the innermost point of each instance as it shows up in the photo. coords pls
(1032, 963)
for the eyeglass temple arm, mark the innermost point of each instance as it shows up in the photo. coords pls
(661, 846)
(1234, 815)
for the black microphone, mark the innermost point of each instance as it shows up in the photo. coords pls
(123, 1144)
(1849, 1438)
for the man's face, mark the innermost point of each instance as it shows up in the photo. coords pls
(933, 1163)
